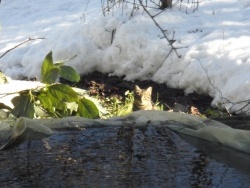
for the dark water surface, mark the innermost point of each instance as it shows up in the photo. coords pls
(121, 157)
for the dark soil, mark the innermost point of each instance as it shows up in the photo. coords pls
(106, 86)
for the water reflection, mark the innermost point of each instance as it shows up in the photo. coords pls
(233, 158)
(119, 157)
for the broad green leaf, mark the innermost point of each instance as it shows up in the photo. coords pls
(86, 108)
(45, 101)
(23, 107)
(47, 64)
(51, 76)
(62, 93)
(69, 73)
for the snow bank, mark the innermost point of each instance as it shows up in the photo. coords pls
(214, 43)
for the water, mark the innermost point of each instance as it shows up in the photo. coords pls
(119, 157)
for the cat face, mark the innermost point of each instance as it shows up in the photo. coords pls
(142, 94)
(142, 98)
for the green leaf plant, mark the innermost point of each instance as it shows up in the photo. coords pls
(54, 99)
(51, 71)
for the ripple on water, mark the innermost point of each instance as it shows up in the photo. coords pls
(114, 156)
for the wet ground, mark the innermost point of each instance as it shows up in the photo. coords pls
(117, 157)
(125, 156)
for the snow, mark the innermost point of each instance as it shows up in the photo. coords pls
(9, 91)
(213, 41)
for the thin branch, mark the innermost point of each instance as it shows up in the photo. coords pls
(162, 31)
(134, 3)
(109, 6)
(213, 86)
(29, 39)
(83, 14)
(158, 13)
(225, 99)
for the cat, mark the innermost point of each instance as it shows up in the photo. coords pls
(142, 99)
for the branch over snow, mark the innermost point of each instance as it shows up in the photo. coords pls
(170, 41)
(29, 39)
(245, 103)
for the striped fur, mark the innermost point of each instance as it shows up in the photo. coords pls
(142, 99)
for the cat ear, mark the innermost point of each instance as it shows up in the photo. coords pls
(150, 89)
(137, 88)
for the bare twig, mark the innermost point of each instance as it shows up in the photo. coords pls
(170, 41)
(83, 17)
(162, 31)
(213, 86)
(109, 6)
(247, 102)
(29, 39)
(113, 36)
(136, 3)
